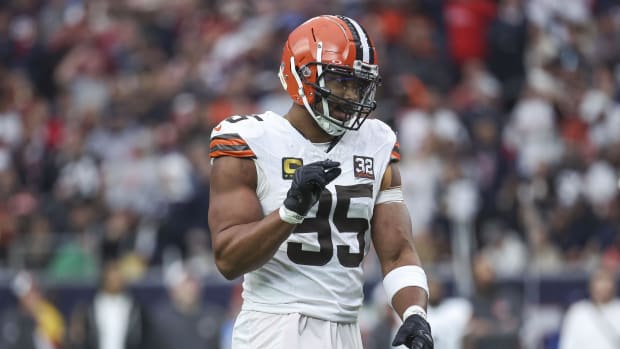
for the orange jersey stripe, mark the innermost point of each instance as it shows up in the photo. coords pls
(233, 153)
(232, 141)
(230, 144)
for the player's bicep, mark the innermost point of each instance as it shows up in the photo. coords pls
(391, 225)
(391, 177)
(392, 236)
(233, 197)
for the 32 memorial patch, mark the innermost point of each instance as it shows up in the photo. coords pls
(289, 165)
(363, 167)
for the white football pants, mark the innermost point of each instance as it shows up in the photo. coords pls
(257, 330)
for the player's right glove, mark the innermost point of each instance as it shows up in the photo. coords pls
(415, 333)
(308, 183)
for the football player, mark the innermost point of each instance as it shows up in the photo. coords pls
(297, 199)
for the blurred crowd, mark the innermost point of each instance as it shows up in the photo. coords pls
(507, 111)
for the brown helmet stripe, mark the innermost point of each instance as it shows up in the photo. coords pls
(363, 48)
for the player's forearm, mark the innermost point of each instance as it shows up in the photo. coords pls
(404, 279)
(407, 297)
(245, 247)
(404, 256)
(411, 295)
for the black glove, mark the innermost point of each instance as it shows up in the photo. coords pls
(308, 183)
(415, 333)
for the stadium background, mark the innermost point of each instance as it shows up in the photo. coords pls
(508, 114)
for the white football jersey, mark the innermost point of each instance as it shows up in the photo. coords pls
(317, 270)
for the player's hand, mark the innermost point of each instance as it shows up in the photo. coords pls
(414, 333)
(308, 183)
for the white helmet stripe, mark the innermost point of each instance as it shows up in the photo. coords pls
(363, 40)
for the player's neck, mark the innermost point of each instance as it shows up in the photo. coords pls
(304, 123)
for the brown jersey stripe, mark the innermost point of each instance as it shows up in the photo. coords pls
(232, 141)
(228, 139)
(242, 150)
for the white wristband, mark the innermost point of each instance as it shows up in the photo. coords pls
(414, 310)
(289, 216)
(405, 276)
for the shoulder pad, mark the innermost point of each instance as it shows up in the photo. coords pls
(378, 129)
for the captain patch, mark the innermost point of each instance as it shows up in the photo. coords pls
(289, 165)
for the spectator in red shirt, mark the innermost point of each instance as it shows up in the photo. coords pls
(466, 24)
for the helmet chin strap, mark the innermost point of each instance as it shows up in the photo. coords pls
(327, 126)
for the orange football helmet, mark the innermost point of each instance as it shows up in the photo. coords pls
(334, 47)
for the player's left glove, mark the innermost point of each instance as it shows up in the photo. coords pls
(308, 183)
(414, 333)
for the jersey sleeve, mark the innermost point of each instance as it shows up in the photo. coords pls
(230, 144)
(395, 155)
(232, 137)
